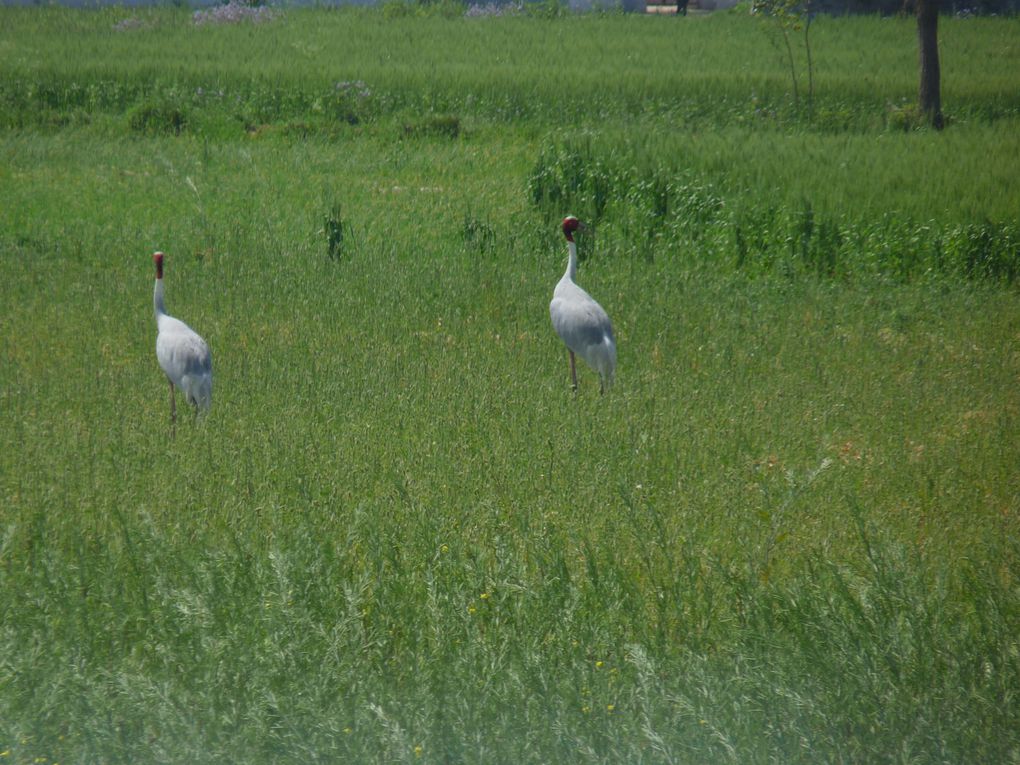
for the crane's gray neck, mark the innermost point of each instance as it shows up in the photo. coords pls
(571, 271)
(157, 299)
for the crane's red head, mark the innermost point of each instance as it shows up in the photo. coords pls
(157, 258)
(570, 225)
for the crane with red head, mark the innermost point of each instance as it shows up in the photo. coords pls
(582, 324)
(183, 356)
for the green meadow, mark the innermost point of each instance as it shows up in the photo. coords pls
(788, 534)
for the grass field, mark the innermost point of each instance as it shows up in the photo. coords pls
(788, 534)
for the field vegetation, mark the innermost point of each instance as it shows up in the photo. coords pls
(788, 534)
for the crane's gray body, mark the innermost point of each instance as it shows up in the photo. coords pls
(582, 324)
(183, 356)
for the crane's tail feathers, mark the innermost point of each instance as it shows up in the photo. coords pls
(199, 392)
(607, 376)
(202, 405)
(607, 363)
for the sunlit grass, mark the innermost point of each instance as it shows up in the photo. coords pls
(789, 533)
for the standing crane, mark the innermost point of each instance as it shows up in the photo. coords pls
(182, 354)
(580, 322)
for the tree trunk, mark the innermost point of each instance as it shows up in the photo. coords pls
(929, 96)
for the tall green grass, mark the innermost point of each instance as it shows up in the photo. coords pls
(834, 207)
(788, 533)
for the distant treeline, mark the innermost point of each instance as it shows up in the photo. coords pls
(892, 7)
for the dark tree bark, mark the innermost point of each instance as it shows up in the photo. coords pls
(929, 96)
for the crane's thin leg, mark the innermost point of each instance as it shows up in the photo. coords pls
(573, 372)
(173, 410)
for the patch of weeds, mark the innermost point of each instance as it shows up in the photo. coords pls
(905, 117)
(573, 177)
(447, 9)
(347, 102)
(547, 9)
(159, 118)
(260, 130)
(338, 232)
(982, 251)
(402, 9)
(399, 9)
(52, 118)
(837, 118)
(298, 129)
(440, 125)
(478, 234)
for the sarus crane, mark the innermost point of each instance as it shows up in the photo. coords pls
(182, 354)
(581, 323)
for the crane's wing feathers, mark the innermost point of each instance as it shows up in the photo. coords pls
(186, 360)
(580, 324)
(584, 327)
